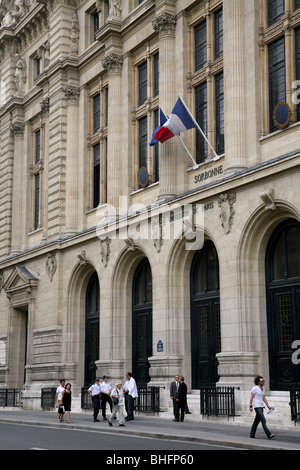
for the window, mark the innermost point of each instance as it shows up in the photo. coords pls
(200, 46)
(219, 34)
(209, 94)
(219, 81)
(96, 153)
(95, 24)
(147, 115)
(156, 75)
(277, 84)
(297, 4)
(143, 140)
(36, 175)
(156, 148)
(96, 112)
(275, 11)
(37, 146)
(143, 82)
(36, 201)
(297, 50)
(97, 139)
(201, 118)
(37, 62)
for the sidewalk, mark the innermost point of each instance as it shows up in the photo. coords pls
(211, 432)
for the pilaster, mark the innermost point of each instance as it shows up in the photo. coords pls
(234, 83)
(17, 130)
(72, 96)
(165, 25)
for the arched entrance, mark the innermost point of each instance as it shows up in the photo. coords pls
(142, 322)
(205, 316)
(92, 324)
(283, 303)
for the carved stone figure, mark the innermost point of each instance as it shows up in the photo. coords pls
(51, 265)
(12, 11)
(20, 75)
(115, 8)
(226, 202)
(74, 34)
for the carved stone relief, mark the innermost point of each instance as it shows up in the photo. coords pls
(12, 11)
(51, 265)
(20, 75)
(226, 202)
(105, 250)
(268, 199)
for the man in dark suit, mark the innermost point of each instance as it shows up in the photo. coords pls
(180, 400)
(174, 391)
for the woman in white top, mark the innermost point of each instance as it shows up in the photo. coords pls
(117, 401)
(259, 400)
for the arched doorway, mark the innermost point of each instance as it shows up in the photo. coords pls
(92, 324)
(205, 316)
(142, 322)
(283, 303)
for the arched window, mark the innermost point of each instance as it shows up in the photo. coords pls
(283, 303)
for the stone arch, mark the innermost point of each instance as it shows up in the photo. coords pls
(252, 289)
(179, 265)
(121, 308)
(75, 327)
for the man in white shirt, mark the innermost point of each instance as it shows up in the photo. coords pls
(58, 397)
(95, 391)
(259, 400)
(131, 393)
(105, 396)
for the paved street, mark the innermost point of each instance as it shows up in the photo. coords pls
(24, 437)
(39, 429)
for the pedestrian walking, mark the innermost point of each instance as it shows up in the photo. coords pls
(57, 399)
(117, 396)
(66, 400)
(181, 399)
(258, 402)
(131, 392)
(105, 396)
(95, 391)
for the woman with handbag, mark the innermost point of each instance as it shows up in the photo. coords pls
(117, 402)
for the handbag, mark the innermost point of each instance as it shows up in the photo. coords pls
(115, 400)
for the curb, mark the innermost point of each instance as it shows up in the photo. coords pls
(151, 434)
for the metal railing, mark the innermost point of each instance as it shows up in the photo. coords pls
(86, 399)
(148, 399)
(295, 404)
(48, 397)
(9, 397)
(217, 401)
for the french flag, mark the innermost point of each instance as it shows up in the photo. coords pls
(163, 120)
(179, 121)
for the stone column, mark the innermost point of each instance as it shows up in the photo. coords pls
(234, 82)
(165, 25)
(17, 130)
(115, 157)
(72, 95)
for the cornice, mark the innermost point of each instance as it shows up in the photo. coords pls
(280, 165)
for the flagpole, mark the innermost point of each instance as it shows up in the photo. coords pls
(184, 146)
(199, 128)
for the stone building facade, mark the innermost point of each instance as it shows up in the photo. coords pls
(117, 255)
